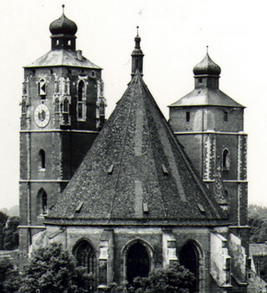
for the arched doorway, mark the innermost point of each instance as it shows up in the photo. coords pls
(189, 258)
(137, 262)
(86, 257)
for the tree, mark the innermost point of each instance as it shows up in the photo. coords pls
(10, 232)
(9, 277)
(3, 220)
(53, 270)
(257, 220)
(172, 279)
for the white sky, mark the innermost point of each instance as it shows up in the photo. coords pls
(174, 37)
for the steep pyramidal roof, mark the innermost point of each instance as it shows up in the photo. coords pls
(136, 171)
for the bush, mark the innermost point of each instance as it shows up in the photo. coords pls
(53, 270)
(9, 277)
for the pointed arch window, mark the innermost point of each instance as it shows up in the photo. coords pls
(41, 202)
(42, 161)
(189, 258)
(226, 160)
(81, 103)
(57, 105)
(66, 106)
(86, 257)
(137, 262)
(42, 88)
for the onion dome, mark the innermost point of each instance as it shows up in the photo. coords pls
(207, 67)
(63, 26)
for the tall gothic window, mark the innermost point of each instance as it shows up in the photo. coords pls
(86, 257)
(226, 160)
(66, 106)
(41, 202)
(81, 110)
(57, 105)
(190, 260)
(137, 262)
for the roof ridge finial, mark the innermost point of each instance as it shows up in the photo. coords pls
(63, 6)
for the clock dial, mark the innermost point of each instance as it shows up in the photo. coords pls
(41, 115)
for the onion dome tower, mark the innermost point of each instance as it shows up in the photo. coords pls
(62, 111)
(210, 126)
(63, 32)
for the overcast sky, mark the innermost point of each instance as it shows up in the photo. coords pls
(174, 35)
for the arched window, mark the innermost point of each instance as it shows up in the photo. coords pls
(42, 159)
(86, 257)
(41, 202)
(42, 88)
(226, 160)
(56, 105)
(137, 262)
(81, 101)
(66, 106)
(189, 258)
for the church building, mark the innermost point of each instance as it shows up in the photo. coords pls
(135, 192)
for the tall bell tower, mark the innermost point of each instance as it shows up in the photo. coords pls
(62, 111)
(209, 124)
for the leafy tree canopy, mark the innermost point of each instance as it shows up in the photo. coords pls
(171, 279)
(257, 220)
(9, 277)
(53, 270)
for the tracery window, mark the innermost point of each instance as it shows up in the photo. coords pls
(86, 257)
(81, 103)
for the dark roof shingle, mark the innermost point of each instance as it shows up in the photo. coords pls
(135, 170)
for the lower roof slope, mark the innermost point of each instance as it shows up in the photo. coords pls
(135, 170)
(205, 96)
(62, 57)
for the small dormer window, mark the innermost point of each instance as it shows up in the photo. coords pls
(93, 74)
(200, 80)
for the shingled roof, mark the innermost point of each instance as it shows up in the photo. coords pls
(63, 57)
(135, 170)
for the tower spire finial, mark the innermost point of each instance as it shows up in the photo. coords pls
(207, 49)
(137, 56)
(63, 6)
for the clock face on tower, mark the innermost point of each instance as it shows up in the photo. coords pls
(41, 115)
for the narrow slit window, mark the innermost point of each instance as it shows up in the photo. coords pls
(42, 158)
(187, 116)
(226, 160)
(225, 116)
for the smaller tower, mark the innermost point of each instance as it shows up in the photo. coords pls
(137, 57)
(210, 126)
